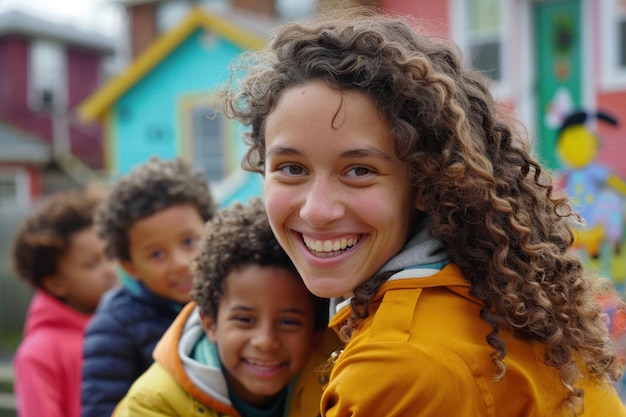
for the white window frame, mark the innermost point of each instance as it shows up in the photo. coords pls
(47, 70)
(206, 113)
(459, 11)
(22, 187)
(613, 75)
(190, 109)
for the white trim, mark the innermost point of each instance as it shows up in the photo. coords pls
(613, 77)
(22, 184)
(522, 83)
(47, 74)
(459, 32)
(588, 88)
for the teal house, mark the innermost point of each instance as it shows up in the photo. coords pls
(163, 104)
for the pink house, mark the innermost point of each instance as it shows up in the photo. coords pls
(46, 70)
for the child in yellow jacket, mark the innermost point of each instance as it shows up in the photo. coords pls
(251, 342)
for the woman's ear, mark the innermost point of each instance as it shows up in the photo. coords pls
(210, 327)
(420, 199)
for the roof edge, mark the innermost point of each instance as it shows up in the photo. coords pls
(97, 104)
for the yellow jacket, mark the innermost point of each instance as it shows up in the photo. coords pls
(422, 352)
(166, 388)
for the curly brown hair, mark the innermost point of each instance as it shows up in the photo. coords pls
(491, 202)
(235, 237)
(44, 235)
(152, 187)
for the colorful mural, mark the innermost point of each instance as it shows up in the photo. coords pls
(596, 192)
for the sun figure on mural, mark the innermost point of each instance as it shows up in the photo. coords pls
(596, 191)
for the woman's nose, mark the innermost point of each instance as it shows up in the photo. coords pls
(323, 202)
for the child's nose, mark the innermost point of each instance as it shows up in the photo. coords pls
(265, 338)
(183, 258)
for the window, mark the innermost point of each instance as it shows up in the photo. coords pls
(47, 74)
(13, 188)
(621, 36)
(484, 29)
(207, 141)
(613, 27)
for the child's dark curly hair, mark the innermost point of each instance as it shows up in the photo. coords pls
(233, 238)
(44, 235)
(490, 201)
(154, 186)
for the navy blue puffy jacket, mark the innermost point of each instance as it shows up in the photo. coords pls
(118, 345)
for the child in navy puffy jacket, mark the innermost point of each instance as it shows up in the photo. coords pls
(151, 221)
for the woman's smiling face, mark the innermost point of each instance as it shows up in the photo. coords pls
(339, 200)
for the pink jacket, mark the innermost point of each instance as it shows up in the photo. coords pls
(48, 362)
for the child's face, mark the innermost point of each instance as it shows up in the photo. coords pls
(84, 272)
(339, 200)
(161, 246)
(264, 330)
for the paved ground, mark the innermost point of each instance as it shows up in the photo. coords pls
(6, 370)
(7, 401)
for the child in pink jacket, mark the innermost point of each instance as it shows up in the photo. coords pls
(56, 250)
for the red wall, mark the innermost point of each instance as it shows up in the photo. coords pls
(433, 16)
(83, 78)
(613, 150)
(14, 91)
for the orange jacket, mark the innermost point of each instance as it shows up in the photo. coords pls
(422, 352)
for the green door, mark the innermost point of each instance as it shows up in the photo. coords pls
(558, 69)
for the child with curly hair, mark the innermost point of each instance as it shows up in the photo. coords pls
(57, 251)
(394, 180)
(249, 344)
(151, 221)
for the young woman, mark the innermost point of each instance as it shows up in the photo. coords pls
(393, 181)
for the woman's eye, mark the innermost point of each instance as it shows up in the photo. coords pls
(291, 169)
(359, 171)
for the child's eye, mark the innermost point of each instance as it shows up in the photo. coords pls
(157, 254)
(291, 168)
(290, 323)
(190, 241)
(92, 263)
(245, 320)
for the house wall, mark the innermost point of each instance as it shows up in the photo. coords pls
(265, 7)
(433, 16)
(613, 150)
(144, 120)
(83, 77)
(15, 108)
(14, 92)
(84, 74)
(143, 27)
